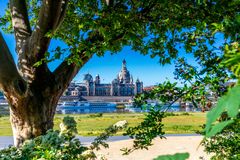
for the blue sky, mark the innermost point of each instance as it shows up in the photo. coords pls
(143, 67)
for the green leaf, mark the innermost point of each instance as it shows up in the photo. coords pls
(214, 114)
(229, 103)
(37, 64)
(233, 102)
(80, 26)
(177, 156)
(218, 128)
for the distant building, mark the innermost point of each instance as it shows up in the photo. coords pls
(122, 85)
(149, 88)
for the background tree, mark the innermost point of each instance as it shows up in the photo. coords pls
(152, 27)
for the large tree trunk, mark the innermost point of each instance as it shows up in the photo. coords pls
(32, 100)
(33, 92)
(32, 113)
(31, 116)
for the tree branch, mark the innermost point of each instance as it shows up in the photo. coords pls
(50, 17)
(20, 22)
(66, 72)
(10, 79)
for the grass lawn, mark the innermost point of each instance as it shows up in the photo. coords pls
(91, 126)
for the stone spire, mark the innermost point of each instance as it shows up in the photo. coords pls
(97, 79)
(124, 75)
(124, 63)
(131, 80)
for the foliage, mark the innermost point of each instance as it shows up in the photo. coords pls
(161, 29)
(167, 114)
(105, 135)
(168, 93)
(68, 126)
(232, 58)
(143, 134)
(177, 156)
(223, 121)
(53, 145)
(225, 145)
(61, 145)
(228, 103)
(208, 76)
(96, 115)
(151, 27)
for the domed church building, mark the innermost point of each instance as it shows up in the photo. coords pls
(122, 85)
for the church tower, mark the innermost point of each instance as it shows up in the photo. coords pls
(138, 87)
(124, 75)
(97, 79)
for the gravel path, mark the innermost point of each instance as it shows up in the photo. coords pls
(171, 145)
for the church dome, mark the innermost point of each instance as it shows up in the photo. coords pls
(88, 78)
(115, 81)
(124, 75)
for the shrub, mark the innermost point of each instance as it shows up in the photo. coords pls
(54, 145)
(59, 145)
(185, 114)
(225, 145)
(63, 145)
(95, 115)
(168, 114)
(143, 134)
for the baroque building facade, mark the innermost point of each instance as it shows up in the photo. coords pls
(122, 85)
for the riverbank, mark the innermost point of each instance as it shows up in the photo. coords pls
(94, 124)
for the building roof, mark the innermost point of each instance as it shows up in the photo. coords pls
(88, 77)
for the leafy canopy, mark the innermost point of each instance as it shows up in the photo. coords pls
(162, 29)
(159, 28)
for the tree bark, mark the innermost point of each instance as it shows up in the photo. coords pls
(32, 116)
(32, 92)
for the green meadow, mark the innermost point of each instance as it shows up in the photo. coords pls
(92, 125)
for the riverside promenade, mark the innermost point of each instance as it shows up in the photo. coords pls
(174, 143)
(169, 146)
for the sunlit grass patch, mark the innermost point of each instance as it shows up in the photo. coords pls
(91, 125)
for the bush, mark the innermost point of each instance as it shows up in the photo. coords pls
(185, 114)
(95, 115)
(54, 145)
(143, 134)
(168, 114)
(225, 145)
(59, 145)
